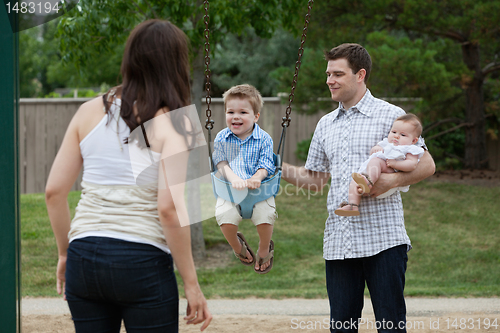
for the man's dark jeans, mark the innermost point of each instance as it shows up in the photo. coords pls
(384, 274)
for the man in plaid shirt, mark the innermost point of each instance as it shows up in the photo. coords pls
(370, 248)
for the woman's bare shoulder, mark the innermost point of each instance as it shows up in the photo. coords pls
(88, 116)
(94, 105)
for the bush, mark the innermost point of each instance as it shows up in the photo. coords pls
(303, 149)
(53, 95)
(82, 93)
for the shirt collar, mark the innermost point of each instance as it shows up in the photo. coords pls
(361, 106)
(256, 133)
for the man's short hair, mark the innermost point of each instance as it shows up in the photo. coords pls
(414, 120)
(245, 91)
(356, 55)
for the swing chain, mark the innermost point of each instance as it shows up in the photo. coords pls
(209, 122)
(287, 119)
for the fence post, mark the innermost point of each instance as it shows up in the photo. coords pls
(10, 286)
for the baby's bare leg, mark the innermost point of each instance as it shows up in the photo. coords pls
(354, 197)
(375, 167)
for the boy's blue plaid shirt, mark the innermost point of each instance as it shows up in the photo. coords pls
(247, 156)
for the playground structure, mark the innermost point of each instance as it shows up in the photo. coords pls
(10, 301)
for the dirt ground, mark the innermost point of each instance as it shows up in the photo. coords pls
(457, 322)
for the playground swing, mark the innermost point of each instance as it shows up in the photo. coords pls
(246, 199)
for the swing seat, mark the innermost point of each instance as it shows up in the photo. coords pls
(245, 199)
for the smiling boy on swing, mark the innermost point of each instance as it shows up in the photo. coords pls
(243, 154)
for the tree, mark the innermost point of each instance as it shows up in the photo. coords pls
(96, 26)
(38, 52)
(41, 70)
(470, 25)
(104, 69)
(29, 63)
(251, 59)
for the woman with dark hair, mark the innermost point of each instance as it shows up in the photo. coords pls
(116, 256)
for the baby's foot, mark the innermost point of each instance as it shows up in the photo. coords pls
(363, 181)
(347, 209)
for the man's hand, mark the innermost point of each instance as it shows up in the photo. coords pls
(384, 183)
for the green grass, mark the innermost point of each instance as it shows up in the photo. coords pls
(454, 231)
(298, 269)
(38, 246)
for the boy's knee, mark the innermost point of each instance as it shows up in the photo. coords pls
(265, 212)
(226, 213)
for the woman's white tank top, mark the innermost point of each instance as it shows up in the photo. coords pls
(106, 159)
(112, 204)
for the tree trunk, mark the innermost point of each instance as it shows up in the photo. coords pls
(475, 135)
(194, 208)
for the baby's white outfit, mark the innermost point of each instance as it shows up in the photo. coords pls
(393, 152)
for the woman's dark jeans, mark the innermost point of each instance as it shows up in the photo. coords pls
(384, 274)
(108, 280)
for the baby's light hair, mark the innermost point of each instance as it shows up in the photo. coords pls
(245, 91)
(414, 120)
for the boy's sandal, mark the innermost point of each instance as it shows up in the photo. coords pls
(269, 257)
(361, 179)
(243, 252)
(351, 212)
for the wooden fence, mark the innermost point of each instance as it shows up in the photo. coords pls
(43, 123)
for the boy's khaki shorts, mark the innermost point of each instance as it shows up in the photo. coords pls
(263, 212)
